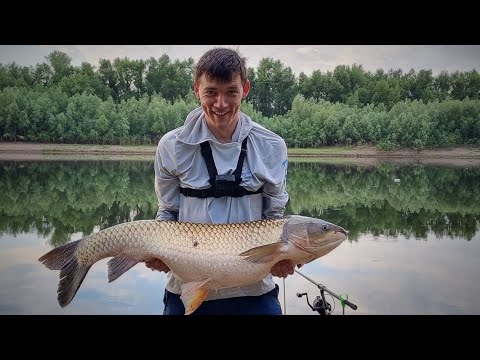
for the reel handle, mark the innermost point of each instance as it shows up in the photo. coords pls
(352, 305)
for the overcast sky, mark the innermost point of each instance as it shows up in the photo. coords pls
(300, 58)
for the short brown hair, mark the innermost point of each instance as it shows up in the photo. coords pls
(221, 64)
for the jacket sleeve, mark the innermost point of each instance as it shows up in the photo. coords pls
(275, 191)
(166, 181)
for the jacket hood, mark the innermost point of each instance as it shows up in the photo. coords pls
(196, 131)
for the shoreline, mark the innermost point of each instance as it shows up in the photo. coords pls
(20, 151)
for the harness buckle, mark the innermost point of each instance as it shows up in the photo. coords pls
(224, 182)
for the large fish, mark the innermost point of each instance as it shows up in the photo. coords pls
(204, 256)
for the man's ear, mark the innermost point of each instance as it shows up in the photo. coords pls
(195, 90)
(246, 89)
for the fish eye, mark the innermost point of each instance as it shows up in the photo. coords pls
(324, 227)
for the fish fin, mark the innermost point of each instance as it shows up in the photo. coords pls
(71, 277)
(56, 258)
(119, 265)
(63, 258)
(264, 253)
(193, 294)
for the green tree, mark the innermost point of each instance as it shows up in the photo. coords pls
(85, 80)
(61, 66)
(275, 88)
(170, 80)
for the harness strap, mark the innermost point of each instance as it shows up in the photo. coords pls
(243, 152)
(230, 188)
(206, 151)
(213, 192)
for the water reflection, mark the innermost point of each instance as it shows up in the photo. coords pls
(384, 267)
(364, 199)
(59, 199)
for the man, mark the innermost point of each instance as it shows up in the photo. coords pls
(222, 167)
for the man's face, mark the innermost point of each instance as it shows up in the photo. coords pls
(221, 101)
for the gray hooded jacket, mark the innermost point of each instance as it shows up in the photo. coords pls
(179, 163)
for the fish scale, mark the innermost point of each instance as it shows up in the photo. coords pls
(203, 256)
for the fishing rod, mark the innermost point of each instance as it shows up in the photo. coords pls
(320, 304)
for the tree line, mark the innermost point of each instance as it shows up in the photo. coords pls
(127, 101)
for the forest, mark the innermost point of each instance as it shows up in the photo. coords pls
(131, 102)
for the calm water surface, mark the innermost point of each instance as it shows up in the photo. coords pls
(413, 245)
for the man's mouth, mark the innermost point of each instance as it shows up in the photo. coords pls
(220, 113)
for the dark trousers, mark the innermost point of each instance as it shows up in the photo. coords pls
(266, 304)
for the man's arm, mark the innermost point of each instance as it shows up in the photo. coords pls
(166, 181)
(275, 198)
(167, 191)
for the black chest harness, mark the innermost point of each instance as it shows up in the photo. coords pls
(221, 185)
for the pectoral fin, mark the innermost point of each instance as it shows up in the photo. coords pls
(264, 253)
(119, 265)
(193, 294)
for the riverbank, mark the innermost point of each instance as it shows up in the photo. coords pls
(18, 151)
(365, 154)
(462, 156)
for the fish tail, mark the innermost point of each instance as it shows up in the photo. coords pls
(56, 258)
(71, 277)
(63, 258)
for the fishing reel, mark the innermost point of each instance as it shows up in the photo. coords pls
(320, 305)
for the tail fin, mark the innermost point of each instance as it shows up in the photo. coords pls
(56, 258)
(71, 275)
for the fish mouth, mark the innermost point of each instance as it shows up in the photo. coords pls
(341, 230)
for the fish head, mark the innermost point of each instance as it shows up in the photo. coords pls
(313, 235)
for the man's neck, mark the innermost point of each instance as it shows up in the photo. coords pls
(223, 135)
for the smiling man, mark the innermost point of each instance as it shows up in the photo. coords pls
(222, 167)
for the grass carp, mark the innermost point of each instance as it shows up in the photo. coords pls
(204, 256)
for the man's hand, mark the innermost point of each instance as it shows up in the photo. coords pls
(283, 268)
(157, 264)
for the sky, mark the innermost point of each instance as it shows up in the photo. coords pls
(300, 58)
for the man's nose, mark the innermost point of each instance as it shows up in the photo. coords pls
(220, 101)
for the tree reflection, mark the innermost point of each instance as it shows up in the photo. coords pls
(58, 199)
(62, 198)
(442, 200)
